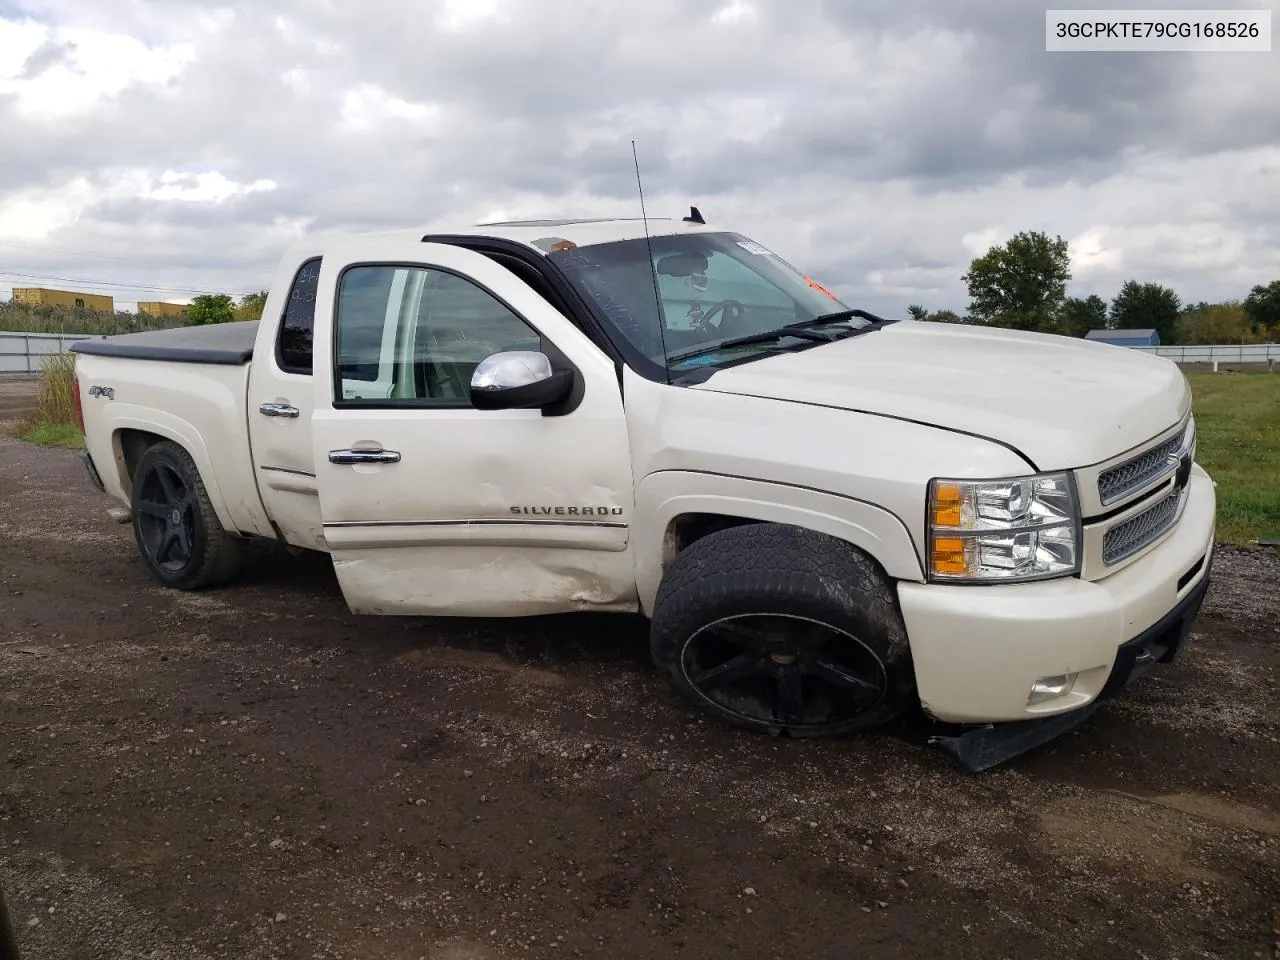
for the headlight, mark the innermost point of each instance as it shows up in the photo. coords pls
(1025, 528)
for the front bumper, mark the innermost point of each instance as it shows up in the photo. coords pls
(1160, 642)
(978, 650)
(982, 747)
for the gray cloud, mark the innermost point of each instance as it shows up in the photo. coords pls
(868, 139)
(48, 54)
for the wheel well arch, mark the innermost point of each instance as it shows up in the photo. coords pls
(683, 507)
(686, 529)
(130, 444)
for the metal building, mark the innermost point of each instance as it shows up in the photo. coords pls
(45, 297)
(161, 308)
(1125, 338)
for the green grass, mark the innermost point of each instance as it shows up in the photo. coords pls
(54, 424)
(1238, 431)
(53, 435)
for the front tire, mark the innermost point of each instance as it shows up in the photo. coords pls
(778, 629)
(177, 531)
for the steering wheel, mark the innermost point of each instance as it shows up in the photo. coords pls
(733, 312)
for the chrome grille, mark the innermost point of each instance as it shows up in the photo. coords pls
(1135, 474)
(1126, 539)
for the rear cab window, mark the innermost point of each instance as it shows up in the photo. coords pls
(294, 341)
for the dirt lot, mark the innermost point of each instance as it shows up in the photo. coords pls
(18, 396)
(255, 773)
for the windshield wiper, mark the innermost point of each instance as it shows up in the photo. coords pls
(768, 336)
(839, 317)
(797, 330)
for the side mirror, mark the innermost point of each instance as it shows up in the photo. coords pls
(519, 380)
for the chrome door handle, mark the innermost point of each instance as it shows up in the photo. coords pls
(364, 456)
(278, 410)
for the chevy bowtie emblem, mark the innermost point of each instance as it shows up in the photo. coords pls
(1183, 462)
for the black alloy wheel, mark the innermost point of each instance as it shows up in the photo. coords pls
(780, 629)
(784, 670)
(178, 533)
(166, 520)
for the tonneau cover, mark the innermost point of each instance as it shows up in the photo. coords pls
(230, 344)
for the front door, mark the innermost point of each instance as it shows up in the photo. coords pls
(451, 509)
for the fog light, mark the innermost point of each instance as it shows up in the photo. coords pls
(1046, 688)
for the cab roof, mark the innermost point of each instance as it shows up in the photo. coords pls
(542, 235)
(538, 235)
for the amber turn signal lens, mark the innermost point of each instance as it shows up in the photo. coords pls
(949, 556)
(947, 500)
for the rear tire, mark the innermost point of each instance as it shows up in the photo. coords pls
(778, 629)
(177, 531)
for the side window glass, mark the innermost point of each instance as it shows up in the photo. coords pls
(363, 324)
(294, 354)
(416, 334)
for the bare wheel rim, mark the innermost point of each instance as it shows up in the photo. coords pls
(166, 517)
(783, 670)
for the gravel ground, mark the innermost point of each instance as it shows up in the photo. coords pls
(18, 396)
(253, 772)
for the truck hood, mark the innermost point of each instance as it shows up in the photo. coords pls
(1061, 402)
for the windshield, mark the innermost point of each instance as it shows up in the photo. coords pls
(713, 287)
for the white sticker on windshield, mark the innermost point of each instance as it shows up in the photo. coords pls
(752, 247)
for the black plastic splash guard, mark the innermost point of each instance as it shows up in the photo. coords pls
(982, 747)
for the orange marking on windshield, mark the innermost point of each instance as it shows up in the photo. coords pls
(820, 288)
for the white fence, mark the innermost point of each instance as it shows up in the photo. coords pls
(1220, 353)
(26, 352)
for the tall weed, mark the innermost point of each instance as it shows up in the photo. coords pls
(31, 318)
(56, 404)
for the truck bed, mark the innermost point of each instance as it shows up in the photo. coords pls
(228, 344)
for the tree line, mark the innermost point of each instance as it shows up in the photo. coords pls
(1022, 285)
(221, 308)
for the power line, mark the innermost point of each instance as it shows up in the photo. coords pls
(80, 281)
(103, 283)
(107, 256)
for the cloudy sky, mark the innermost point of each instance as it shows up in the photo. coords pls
(171, 147)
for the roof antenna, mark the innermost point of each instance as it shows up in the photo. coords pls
(653, 269)
(695, 216)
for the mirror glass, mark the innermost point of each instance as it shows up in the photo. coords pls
(512, 368)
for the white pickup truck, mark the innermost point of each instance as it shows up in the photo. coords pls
(827, 517)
